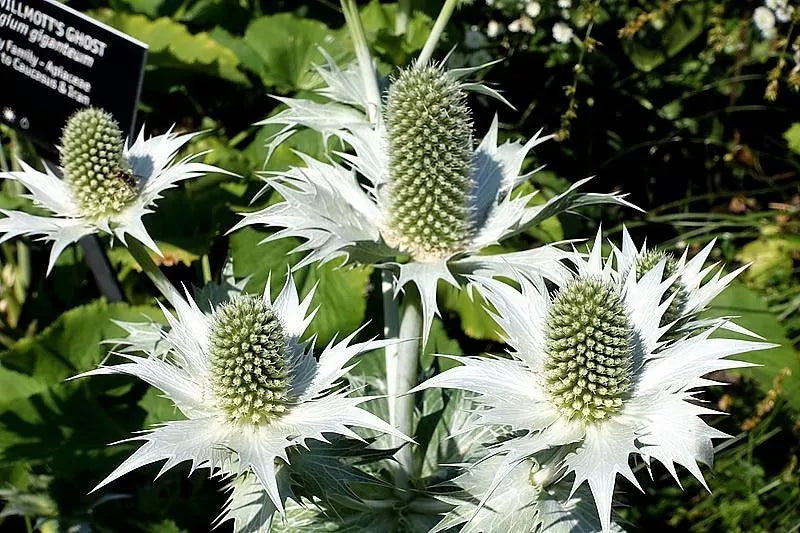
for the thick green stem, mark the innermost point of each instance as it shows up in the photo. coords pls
(368, 75)
(142, 256)
(438, 28)
(402, 368)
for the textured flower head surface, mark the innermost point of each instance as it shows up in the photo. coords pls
(108, 185)
(249, 388)
(592, 370)
(413, 185)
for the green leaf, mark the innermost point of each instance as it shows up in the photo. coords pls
(68, 346)
(652, 46)
(770, 257)
(738, 300)
(284, 49)
(171, 45)
(475, 320)
(792, 136)
(340, 294)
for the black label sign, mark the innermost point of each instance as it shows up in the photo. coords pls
(55, 60)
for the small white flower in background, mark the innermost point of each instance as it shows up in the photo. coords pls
(249, 389)
(593, 372)
(474, 39)
(494, 28)
(523, 24)
(562, 32)
(430, 194)
(774, 4)
(564, 4)
(784, 13)
(764, 19)
(532, 9)
(108, 186)
(8, 114)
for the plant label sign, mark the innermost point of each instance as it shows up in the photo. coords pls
(55, 60)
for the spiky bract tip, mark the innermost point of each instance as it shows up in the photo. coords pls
(588, 350)
(91, 157)
(429, 129)
(250, 374)
(676, 308)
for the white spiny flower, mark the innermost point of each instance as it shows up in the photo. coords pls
(694, 285)
(591, 371)
(427, 193)
(494, 28)
(108, 186)
(531, 497)
(562, 32)
(249, 389)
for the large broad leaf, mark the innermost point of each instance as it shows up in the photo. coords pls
(284, 49)
(172, 45)
(738, 300)
(651, 46)
(379, 25)
(340, 292)
(69, 346)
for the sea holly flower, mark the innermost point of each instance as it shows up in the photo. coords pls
(694, 285)
(250, 391)
(414, 194)
(108, 185)
(590, 372)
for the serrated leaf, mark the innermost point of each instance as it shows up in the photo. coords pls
(738, 300)
(70, 345)
(172, 45)
(284, 49)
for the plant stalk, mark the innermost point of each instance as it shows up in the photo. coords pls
(402, 17)
(142, 256)
(402, 367)
(438, 28)
(365, 64)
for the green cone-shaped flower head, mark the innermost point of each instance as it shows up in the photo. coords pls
(646, 263)
(588, 350)
(248, 361)
(91, 156)
(430, 148)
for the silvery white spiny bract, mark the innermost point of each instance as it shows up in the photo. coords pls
(414, 185)
(532, 497)
(108, 186)
(249, 390)
(595, 369)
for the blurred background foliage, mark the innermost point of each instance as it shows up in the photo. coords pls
(688, 105)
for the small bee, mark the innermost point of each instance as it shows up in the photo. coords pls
(127, 177)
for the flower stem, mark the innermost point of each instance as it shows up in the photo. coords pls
(402, 17)
(438, 27)
(368, 75)
(402, 366)
(142, 256)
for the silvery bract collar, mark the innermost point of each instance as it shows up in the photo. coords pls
(249, 389)
(108, 186)
(415, 185)
(531, 497)
(591, 370)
